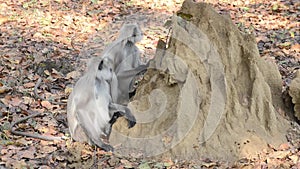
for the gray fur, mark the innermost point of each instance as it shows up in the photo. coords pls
(126, 59)
(98, 97)
(89, 109)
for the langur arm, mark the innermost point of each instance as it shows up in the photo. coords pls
(132, 72)
(114, 118)
(125, 85)
(124, 111)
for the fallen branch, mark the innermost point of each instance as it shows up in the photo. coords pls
(20, 133)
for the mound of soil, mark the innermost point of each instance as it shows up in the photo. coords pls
(294, 92)
(208, 94)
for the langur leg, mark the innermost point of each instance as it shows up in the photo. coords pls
(89, 130)
(105, 147)
(124, 111)
(100, 143)
(97, 141)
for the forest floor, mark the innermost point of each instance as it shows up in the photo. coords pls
(43, 45)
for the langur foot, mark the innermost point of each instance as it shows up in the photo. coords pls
(107, 147)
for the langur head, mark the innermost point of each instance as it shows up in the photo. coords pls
(104, 69)
(131, 32)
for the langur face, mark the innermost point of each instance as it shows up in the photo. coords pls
(137, 34)
(131, 32)
(105, 70)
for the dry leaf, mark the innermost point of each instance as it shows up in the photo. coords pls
(294, 158)
(15, 101)
(29, 85)
(4, 89)
(60, 158)
(284, 146)
(3, 19)
(73, 75)
(208, 165)
(41, 155)
(47, 72)
(46, 104)
(48, 149)
(46, 143)
(296, 48)
(168, 163)
(44, 167)
(85, 154)
(52, 130)
(27, 100)
(56, 74)
(279, 154)
(68, 90)
(29, 154)
(44, 129)
(126, 163)
(23, 141)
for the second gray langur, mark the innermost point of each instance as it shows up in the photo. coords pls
(125, 56)
(90, 110)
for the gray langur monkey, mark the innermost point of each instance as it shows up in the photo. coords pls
(125, 56)
(90, 110)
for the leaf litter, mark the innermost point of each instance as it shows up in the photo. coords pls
(48, 39)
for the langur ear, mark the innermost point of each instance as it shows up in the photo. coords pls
(100, 66)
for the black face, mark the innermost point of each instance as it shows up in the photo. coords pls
(100, 66)
(134, 32)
